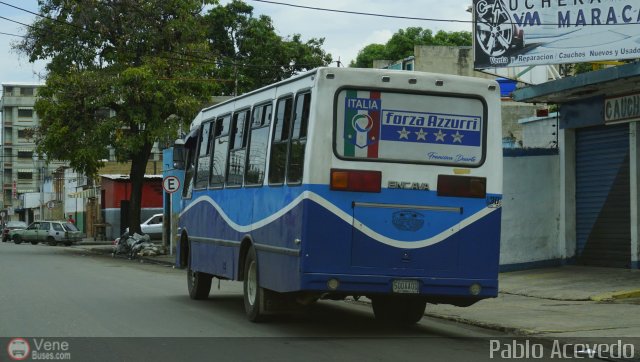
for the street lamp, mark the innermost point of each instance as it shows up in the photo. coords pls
(39, 161)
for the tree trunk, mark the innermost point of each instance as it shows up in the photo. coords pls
(138, 168)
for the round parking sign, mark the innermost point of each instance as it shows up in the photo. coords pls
(170, 184)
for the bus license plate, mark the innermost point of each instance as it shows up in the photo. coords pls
(406, 286)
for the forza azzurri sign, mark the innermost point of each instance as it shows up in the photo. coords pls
(509, 33)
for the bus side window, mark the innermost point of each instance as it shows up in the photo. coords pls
(259, 138)
(220, 151)
(190, 148)
(238, 146)
(204, 157)
(298, 139)
(280, 140)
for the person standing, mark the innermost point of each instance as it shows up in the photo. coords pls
(70, 219)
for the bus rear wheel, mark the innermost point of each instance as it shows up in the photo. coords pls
(255, 297)
(199, 284)
(398, 310)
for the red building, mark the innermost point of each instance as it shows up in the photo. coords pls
(116, 191)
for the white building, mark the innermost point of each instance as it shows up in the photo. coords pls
(24, 176)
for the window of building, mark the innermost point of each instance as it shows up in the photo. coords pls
(25, 112)
(25, 154)
(23, 175)
(26, 91)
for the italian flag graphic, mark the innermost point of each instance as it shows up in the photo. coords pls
(362, 124)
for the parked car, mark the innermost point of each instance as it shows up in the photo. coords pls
(51, 232)
(152, 227)
(11, 225)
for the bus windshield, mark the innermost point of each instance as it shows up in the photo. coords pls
(407, 127)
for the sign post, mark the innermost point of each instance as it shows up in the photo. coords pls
(170, 184)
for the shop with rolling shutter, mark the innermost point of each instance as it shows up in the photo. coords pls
(603, 224)
(600, 164)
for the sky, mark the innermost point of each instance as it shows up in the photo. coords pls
(344, 34)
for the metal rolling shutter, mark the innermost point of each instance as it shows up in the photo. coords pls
(603, 220)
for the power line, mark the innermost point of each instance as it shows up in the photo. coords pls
(16, 35)
(363, 13)
(420, 18)
(15, 21)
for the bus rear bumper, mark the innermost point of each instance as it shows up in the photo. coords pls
(458, 291)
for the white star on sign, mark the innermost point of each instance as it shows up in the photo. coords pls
(457, 137)
(440, 135)
(404, 133)
(422, 135)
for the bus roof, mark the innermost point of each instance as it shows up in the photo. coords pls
(481, 82)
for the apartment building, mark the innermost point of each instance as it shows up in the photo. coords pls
(26, 179)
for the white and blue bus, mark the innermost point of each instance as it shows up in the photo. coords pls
(346, 182)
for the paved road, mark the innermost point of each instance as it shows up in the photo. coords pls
(60, 293)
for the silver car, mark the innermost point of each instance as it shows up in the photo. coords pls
(51, 232)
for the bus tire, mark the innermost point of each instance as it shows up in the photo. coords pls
(398, 310)
(255, 297)
(199, 284)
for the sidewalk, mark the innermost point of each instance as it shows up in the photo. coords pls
(569, 301)
(106, 248)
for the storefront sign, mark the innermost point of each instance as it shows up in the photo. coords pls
(622, 109)
(511, 33)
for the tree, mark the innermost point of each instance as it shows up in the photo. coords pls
(116, 78)
(125, 74)
(368, 54)
(403, 42)
(251, 53)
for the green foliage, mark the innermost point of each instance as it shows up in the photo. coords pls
(250, 52)
(401, 45)
(153, 63)
(125, 74)
(128, 57)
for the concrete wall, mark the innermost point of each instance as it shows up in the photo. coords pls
(446, 60)
(530, 210)
(512, 113)
(540, 132)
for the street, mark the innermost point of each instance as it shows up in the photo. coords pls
(63, 293)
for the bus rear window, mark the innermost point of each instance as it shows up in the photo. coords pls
(415, 128)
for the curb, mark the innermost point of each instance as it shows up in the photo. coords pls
(624, 294)
(493, 326)
(141, 259)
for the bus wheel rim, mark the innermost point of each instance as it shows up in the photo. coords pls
(252, 283)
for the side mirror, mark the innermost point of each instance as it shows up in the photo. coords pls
(178, 154)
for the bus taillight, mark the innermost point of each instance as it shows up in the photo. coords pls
(462, 186)
(353, 180)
